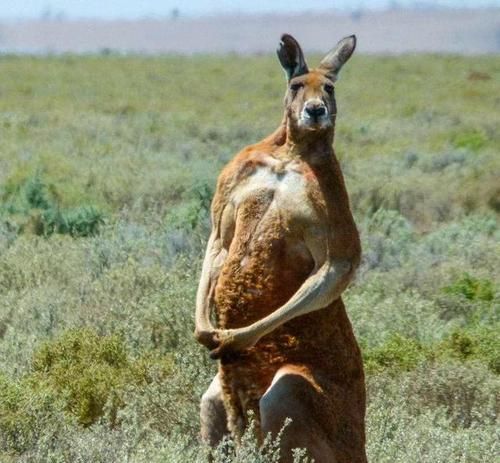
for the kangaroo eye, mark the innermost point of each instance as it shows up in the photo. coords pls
(329, 89)
(296, 86)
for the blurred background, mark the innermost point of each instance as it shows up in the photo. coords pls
(224, 26)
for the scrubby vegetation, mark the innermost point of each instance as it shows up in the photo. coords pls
(29, 208)
(107, 167)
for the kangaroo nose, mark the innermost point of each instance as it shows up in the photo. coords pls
(315, 110)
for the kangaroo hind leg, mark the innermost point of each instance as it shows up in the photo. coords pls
(213, 417)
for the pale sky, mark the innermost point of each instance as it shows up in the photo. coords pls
(131, 9)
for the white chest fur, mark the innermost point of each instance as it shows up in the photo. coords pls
(286, 181)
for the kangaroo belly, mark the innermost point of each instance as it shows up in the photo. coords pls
(264, 267)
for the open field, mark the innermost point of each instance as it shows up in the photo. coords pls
(107, 166)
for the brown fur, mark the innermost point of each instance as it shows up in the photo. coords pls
(263, 250)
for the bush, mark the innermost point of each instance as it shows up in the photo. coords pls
(472, 140)
(77, 222)
(396, 354)
(30, 208)
(395, 435)
(79, 377)
(249, 449)
(479, 343)
(472, 288)
(387, 238)
(466, 393)
(89, 371)
(378, 310)
(24, 415)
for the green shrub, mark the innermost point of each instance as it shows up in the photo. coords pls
(35, 193)
(472, 288)
(77, 222)
(23, 414)
(466, 393)
(396, 354)
(473, 140)
(32, 208)
(479, 343)
(194, 208)
(249, 449)
(88, 371)
(396, 434)
(380, 307)
(387, 238)
(79, 377)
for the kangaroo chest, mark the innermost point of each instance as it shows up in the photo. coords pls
(276, 206)
(283, 190)
(274, 233)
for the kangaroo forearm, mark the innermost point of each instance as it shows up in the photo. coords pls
(203, 309)
(203, 295)
(317, 292)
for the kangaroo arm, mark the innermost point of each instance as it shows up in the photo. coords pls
(318, 291)
(203, 326)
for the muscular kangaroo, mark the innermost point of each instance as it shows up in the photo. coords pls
(283, 247)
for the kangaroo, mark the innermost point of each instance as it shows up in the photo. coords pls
(283, 248)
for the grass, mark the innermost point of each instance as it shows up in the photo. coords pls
(107, 167)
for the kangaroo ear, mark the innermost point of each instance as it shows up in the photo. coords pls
(338, 55)
(291, 57)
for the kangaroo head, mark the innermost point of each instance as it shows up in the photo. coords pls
(310, 96)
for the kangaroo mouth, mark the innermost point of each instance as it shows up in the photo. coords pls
(314, 123)
(309, 121)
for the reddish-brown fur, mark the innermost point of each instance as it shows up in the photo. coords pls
(265, 262)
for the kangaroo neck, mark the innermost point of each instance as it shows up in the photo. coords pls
(312, 146)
